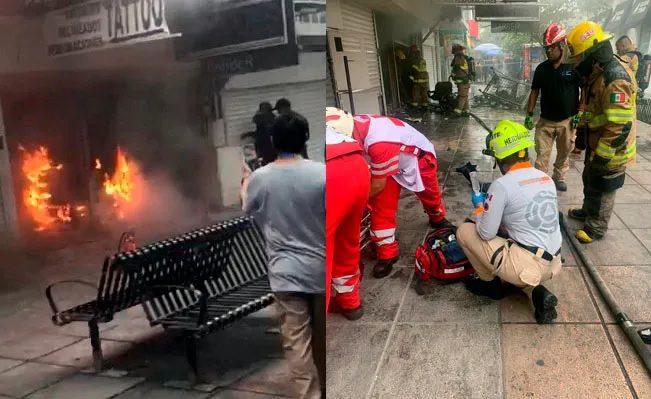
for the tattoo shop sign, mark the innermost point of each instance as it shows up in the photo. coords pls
(102, 24)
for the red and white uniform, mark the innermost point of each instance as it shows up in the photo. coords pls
(401, 152)
(347, 188)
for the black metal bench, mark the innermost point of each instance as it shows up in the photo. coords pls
(196, 283)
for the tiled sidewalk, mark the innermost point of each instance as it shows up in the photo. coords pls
(451, 344)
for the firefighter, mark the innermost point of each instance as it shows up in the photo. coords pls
(348, 182)
(558, 85)
(610, 119)
(523, 203)
(461, 76)
(629, 53)
(400, 157)
(419, 77)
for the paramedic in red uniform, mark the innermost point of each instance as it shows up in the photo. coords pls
(347, 185)
(400, 157)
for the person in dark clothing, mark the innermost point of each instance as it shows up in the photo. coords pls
(263, 120)
(284, 107)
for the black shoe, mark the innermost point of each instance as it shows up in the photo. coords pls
(545, 304)
(353, 314)
(492, 289)
(560, 185)
(383, 267)
(577, 214)
(443, 223)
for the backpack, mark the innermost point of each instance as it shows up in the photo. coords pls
(440, 256)
(643, 74)
(471, 67)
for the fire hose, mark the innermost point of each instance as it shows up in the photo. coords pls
(622, 318)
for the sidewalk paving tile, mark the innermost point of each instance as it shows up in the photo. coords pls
(630, 286)
(425, 361)
(29, 377)
(601, 305)
(644, 235)
(80, 354)
(635, 216)
(574, 303)
(633, 194)
(617, 247)
(274, 378)
(353, 354)
(6, 364)
(34, 345)
(560, 361)
(447, 302)
(82, 386)
(634, 367)
(149, 390)
(640, 176)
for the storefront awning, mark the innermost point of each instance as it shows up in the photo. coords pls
(637, 14)
(618, 18)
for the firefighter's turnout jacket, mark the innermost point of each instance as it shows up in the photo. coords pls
(460, 69)
(418, 71)
(610, 114)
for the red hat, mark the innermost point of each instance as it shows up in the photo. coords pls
(554, 34)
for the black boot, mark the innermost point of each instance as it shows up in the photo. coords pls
(545, 304)
(353, 314)
(383, 267)
(492, 289)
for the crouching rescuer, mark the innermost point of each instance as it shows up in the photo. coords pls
(522, 206)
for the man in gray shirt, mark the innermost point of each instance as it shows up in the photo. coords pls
(287, 200)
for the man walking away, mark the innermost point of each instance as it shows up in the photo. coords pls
(284, 107)
(287, 200)
(263, 120)
(558, 85)
(461, 76)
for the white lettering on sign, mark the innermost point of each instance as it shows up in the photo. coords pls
(104, 24)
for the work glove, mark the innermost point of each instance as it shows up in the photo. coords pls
(576, 119)
(478, 199)
(528, 121)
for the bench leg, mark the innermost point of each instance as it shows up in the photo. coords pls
(191, 356)
(96, 343)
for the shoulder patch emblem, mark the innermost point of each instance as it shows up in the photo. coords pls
(618, 98)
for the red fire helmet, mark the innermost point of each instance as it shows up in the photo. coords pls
(554, 34)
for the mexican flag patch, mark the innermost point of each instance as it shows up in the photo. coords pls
(617, 98)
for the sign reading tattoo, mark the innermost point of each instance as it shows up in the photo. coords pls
(542, 212)
(100, 24)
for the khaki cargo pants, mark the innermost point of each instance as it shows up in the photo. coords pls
(546, 133)
(512, 264)
(302, 327)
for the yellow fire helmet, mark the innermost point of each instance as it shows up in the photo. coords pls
(507, 138)
(340, 120)
(400, 54)
(585, 36)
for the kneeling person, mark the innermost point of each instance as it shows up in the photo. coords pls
(523, 203)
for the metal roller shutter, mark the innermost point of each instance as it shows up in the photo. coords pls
(307, 98)
(428, 55)
(330, 91)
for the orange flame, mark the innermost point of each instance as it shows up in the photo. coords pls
(36, 167)
(98, 164)
(122, 185)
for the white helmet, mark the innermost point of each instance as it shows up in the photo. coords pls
(340, 120)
